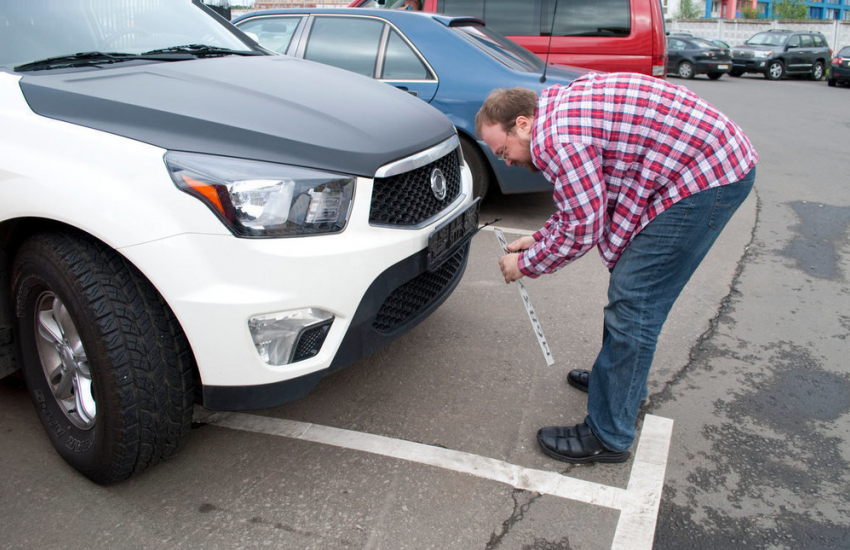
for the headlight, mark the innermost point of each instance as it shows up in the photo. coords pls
(263, 199)
(762, 54)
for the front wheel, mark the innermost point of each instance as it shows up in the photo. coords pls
(105, 361)
(817, 71)
(685, 70)
(775, 71)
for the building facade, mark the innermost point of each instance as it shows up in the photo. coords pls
(838, 10)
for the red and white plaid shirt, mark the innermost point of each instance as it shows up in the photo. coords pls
(620, 149)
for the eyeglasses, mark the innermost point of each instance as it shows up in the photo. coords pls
(503, 155)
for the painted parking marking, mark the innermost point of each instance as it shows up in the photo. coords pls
(638, 503)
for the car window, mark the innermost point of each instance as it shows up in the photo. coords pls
(507, 17)
(361, 37)
(588, 17)
(401, 62)
(501, 49)
(274, 33)
(794, 41)
(674, 44)
(819, 41)
(844, 52)
(806, 41)
(705, 43)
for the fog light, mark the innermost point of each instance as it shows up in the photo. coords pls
(290, 336)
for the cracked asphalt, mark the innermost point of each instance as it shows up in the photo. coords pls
(752, 367)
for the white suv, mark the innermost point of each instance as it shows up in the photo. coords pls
(186, 218)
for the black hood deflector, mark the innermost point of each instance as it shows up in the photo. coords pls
(270, 108)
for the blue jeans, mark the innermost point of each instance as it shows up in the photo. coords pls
(643, 286)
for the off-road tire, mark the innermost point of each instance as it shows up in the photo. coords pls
(141, 368)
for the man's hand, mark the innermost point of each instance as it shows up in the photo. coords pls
(523, 243)
(509, 264)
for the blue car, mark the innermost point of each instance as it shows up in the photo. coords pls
(453, 63)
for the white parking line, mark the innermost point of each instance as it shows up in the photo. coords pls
(638, 503)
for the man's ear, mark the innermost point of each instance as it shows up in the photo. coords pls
(524, 124)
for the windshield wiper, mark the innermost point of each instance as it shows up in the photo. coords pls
(75, 60)
(97, 58)
(202, 50)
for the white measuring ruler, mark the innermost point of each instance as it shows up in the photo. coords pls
(532, 316)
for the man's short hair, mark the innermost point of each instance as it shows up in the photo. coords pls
(504, 105)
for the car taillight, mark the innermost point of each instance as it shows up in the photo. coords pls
(836, 61)
(659, 66)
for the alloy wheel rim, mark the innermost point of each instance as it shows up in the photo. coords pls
(64, 361)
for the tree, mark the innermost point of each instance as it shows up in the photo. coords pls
(688, 9)
(789, 9)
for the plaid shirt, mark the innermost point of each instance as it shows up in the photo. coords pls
(620, 149)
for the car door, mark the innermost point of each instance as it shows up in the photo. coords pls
(795, 55)
(674, 53)
(370, 46)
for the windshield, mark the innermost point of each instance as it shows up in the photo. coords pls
(767, 39)
(704, 43)
(32, 30)
(500, 48)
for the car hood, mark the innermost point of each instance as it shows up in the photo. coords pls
(270, 108)
(755, 48)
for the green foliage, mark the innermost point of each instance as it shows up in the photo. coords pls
(789, 9)
(689, 9)
(749, 12)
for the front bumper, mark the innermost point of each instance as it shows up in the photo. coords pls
(750, 65)
(373, 278)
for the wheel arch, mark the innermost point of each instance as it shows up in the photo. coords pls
(13, 233)
(471, 139)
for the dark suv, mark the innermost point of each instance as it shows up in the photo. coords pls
(777, 53)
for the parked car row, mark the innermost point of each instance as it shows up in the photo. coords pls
(774, 54)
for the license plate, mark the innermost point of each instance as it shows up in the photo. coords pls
(451, 234)
(723, 66)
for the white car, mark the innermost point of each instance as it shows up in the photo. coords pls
(186, 218)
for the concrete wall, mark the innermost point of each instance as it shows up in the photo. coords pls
(736, 31)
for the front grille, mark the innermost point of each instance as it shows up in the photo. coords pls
(414, 296)
(407, 199)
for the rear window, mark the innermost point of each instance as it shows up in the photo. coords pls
(589, 17)
(704, 43)
(844, 52)
(500, 48)
(573, 17)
